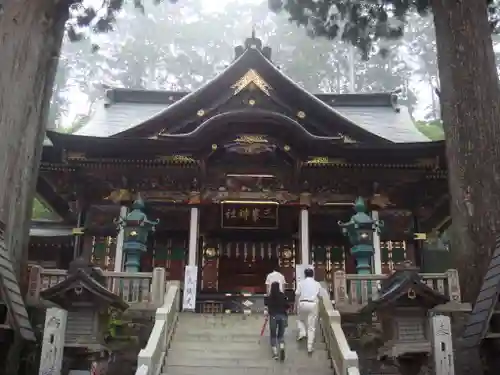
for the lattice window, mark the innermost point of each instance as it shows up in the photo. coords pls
(410, 329)
(392, 253)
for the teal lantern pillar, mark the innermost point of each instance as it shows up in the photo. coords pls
(136, 227)
(360, 229)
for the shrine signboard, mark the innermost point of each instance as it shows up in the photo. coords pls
(242, 215)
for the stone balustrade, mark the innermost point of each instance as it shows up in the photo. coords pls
(141, 290)
(351, 292)
(344, 360)
(150, 360)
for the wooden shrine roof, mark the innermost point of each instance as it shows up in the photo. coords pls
(198, 144)
(374, 118)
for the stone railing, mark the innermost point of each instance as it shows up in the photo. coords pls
(357, 290)
(151, 359)
(344, 360)
(141, 290)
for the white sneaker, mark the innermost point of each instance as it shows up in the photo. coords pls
(275, 352)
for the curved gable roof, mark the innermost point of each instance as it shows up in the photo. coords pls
(173, 118)
(141, 113)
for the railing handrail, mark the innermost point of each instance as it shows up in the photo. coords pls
(138, 289)
(349, 363)
(128, 275)
(436, 275)
(151, 359)
(356, 290)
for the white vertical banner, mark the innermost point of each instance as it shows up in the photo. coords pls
(119, 258)
(194, 224)
(54, 333)
(304, 236)
(299, 272)
(442, 345)
(377, 253)
(190, 283)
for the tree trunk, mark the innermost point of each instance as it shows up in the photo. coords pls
(30, 41)
(470, 104)
(470, 99)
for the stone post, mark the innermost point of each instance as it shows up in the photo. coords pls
(442, 345)
(35, 284)
(53, 341)
(158, 286)
(453, 286)
(340, 287)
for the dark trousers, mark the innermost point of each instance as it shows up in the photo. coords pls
(277, 326)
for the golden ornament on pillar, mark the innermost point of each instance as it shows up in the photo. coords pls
(287, 254)
(119, 195)
(210, 252)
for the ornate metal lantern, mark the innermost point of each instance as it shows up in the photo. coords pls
(359, 229)
(137, 227)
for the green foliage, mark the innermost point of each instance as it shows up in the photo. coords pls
(99, 20)
(361, 23)
(431, 129)
(41, 211)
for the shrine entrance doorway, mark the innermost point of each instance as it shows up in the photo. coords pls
(244, 258)
(243, 241)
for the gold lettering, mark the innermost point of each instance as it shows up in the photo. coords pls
(256, 214)
(244, 213)
(267, 213)
(230, 213)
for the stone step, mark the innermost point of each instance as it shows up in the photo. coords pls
(251, 353)
(180, 344)
(265, 361)
(243, 335)
(224, 322)
(278, 369)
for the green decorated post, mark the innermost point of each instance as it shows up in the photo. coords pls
(136, 227)
(359, 229)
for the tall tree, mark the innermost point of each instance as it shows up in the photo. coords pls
(470, 109)
(469, 100)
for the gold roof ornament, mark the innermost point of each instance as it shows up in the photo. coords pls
(251, 78)
(251, 139)
(380, 200)
(177, 159)
(318, 160)
(347, 139)
(119, 195)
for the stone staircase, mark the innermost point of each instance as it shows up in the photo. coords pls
(230, 343)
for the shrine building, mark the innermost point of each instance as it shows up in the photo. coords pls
(248, 172)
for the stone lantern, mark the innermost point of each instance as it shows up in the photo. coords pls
(359, 229)
(137, 227)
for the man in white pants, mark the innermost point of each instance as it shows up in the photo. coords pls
(307, 295)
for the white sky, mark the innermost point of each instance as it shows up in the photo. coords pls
(218, 5)
(80, 103)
